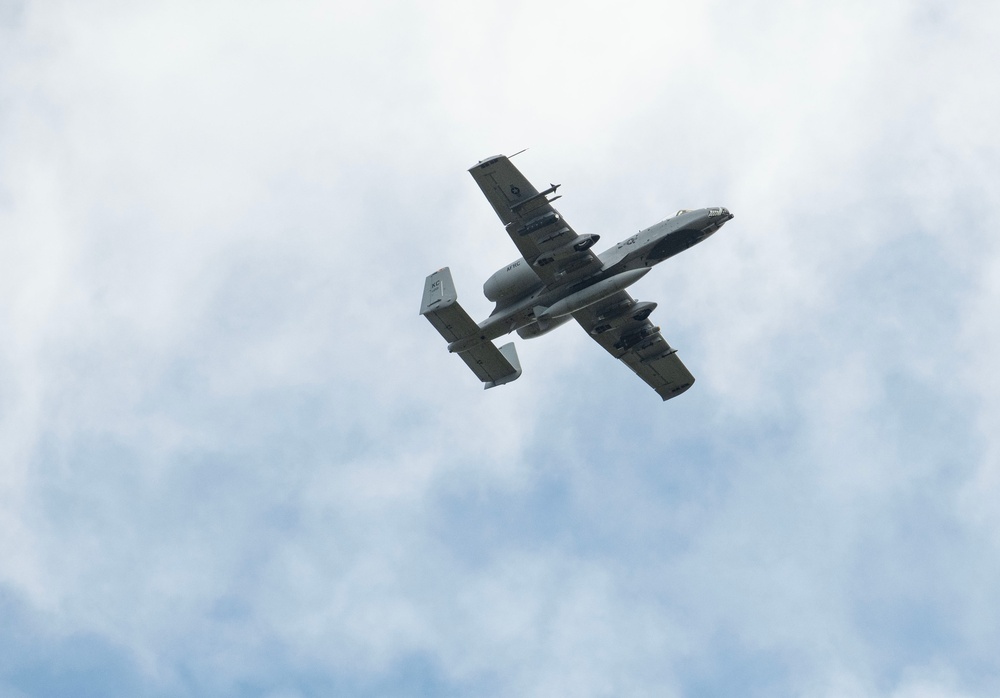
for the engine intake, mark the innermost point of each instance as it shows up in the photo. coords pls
(514, 281)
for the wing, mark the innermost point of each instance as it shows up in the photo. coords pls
(620, 325)
(545, 240)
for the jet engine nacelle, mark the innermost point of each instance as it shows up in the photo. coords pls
(538, 328)
(514, 281)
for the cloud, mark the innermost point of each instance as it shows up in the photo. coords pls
(237, 461)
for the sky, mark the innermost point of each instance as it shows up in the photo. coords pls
(235, 461)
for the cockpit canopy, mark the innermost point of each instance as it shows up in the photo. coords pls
(683, 211)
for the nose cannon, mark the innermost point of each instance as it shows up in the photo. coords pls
(716, 218)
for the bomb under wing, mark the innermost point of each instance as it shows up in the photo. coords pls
(559, 276)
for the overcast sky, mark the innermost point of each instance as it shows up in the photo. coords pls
(234, 461)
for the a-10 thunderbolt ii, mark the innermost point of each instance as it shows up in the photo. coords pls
(558, 278)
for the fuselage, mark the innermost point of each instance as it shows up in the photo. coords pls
(620, 267)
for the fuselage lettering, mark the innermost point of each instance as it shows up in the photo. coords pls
(630, 241)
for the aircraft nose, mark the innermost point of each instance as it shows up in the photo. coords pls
(717, 217)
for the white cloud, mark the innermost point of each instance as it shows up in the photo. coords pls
(234, 453)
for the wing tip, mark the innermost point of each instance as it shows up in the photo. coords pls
(486, 162)
(667, 392)
(493, 159)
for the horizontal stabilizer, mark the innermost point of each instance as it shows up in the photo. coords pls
(491, 365)
(440, 306)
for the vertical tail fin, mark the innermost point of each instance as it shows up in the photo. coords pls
(440, 306)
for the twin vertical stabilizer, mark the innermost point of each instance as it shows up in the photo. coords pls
(440, 306)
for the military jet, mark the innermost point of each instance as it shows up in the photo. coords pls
(558, 278)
